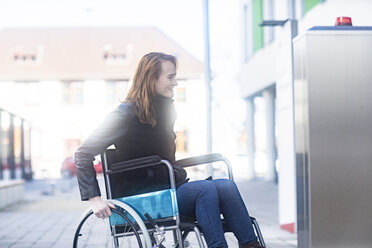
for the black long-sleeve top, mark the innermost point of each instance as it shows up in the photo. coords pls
(132, 139)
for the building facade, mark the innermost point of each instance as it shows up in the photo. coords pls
(65, 80)
(266, 80)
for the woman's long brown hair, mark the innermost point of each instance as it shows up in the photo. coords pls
(142, 92)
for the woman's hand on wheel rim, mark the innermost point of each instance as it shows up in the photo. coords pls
(101, 208)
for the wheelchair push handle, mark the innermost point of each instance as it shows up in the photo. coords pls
(205, 159)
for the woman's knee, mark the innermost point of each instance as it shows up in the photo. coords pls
(201, 187)
(225, 185)
(206, 187)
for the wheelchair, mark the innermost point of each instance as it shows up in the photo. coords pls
(145, 219)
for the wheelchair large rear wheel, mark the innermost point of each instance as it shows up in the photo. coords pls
(96, 232)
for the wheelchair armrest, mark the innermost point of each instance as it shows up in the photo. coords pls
(203, 159)
(134, 164)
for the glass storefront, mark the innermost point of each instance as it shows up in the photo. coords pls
(15, 157)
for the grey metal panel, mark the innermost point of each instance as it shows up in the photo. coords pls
(301, 142)
(338, 123)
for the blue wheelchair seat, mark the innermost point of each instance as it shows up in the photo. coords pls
(159, 205)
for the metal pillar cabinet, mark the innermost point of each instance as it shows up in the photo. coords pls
(333, 136)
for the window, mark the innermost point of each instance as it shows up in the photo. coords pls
(72, 92)
(116, 91)
(182, 143)
(258, 37)
(253, 33)
(117, 55)
(28, 56)
(309, 4)
(17, 139)
(27, 140)
(4, 138)
(247, 31)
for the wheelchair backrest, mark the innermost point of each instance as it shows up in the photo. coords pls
(158, 204)
(132, 177)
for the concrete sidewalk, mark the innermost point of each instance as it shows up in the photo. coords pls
(51, 210)
(261, 199)
(47, 217)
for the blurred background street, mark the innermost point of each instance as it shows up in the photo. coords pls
(51, 210)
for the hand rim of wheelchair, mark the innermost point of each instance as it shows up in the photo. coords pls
(139, 222)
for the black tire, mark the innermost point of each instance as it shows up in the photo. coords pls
(95, 232)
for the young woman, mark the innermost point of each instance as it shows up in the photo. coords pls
(143, 126)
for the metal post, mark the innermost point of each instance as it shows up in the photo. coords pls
(29, 152)
(208, 82)
(11, 160)
(23, 149)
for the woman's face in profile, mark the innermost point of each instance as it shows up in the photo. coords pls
(167, 79)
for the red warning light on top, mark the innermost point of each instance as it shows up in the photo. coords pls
(343, 21)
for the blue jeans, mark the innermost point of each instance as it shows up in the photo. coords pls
(206, 200)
